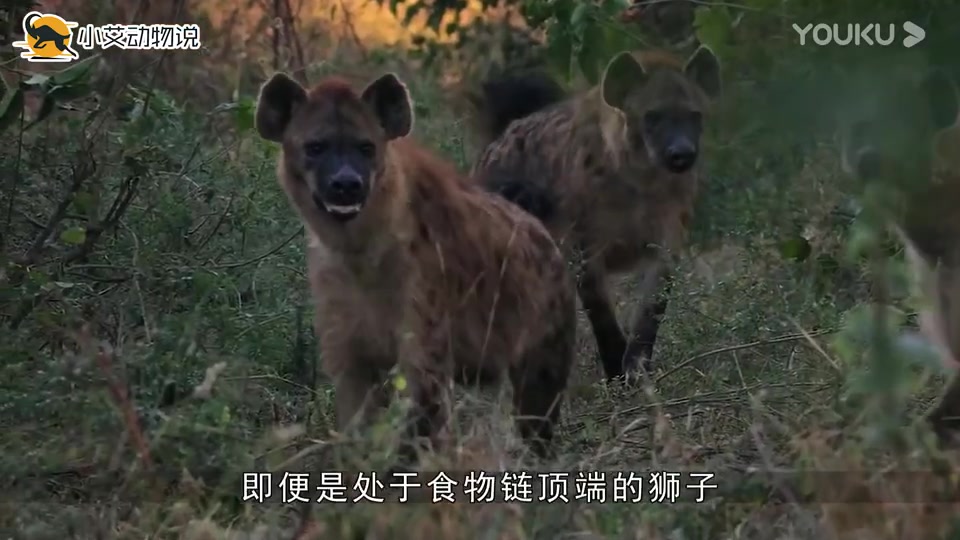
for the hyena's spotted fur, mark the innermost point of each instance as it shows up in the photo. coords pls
(909, 139)
(410, 266)
(613, 172)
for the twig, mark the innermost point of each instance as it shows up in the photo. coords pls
(348, 20)
(15, 181)
(740, 347)
(307, 529)
(276, 35)
(712, 397)
(300, 73)
(136, 283)
(121, 398)
(79, 177)
(261, 257)
(205, 389)
(710, 3)
(117, 209)
(271, 378)
(216, 226)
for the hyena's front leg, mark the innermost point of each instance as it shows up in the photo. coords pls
(431, 390)
(359, 395)
(595, 297)
(656, 282)
(539, 381)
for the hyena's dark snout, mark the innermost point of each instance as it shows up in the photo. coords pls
(346, 187)
(342, 193)
(680, 155)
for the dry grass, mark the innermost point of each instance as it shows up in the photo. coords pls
(147, 375)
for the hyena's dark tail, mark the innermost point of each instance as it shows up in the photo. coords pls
(509, 97)
(532, 197)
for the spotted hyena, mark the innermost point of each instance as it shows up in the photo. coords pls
(613, 172)
(412, 267)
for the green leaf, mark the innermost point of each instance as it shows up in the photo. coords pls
(77, 73)
(11, 107)
(37, 79)
(74, 235)
(70, 92)
(762, 4)
(612, 8)
(918, 349)
(38, 278)
(244, 114)
(713, 26)
(535, 12)
(591, 53)
(563, 9)
(410, 13)
(559, 52)
(796, 248)
(580, 14)
(85, 203)
(863, 237)
(435, 18)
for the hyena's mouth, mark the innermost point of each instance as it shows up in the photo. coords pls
(340, 212)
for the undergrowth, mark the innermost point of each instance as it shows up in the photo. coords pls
(157, 341)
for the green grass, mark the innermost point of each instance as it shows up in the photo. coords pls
(206, 266)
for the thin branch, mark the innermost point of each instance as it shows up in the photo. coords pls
(261, 257)
(721, 396)
(79, 177)
(105, 360)
(740, 347)
(15, 181)
(216, 226)
(300, 72)
(348, 19)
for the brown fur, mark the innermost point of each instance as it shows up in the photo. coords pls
(610, 205)
(913, 135)
(433, 276)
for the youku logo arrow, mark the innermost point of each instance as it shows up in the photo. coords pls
(857, 34)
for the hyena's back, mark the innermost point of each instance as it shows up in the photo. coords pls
(525, 163)
(525, 119)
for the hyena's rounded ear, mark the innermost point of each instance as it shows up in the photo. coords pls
(391, 101)
(622, 74)
(275, 105)
(942, 95)
(703, 67)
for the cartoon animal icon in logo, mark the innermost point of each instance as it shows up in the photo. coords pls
(47, 38)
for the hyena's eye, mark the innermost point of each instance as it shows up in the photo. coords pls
(367, 148)
(653, 118)
(315, 148)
